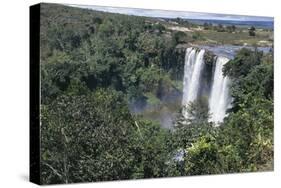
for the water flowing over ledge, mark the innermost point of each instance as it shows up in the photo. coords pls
(196, 84)
(220, 99)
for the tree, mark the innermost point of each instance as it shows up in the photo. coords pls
(207, 26)
(220, 28)
(198, 112)
(178, 37)
(196, 36)
(203, 157)
(252, 31)
(152, 150)
(244, 61)
(250, 131)
(192, 123)
(249, 127)
(159, 28)
(231, 28)
(251, 77)
(56, 77)
(81, 138)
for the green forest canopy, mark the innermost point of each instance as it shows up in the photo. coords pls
(93, 64)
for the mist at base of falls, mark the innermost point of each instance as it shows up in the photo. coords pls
(165, 113)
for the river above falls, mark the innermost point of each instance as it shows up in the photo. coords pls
(229, 51)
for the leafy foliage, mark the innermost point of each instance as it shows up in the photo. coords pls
(95, 65)
(252, 31)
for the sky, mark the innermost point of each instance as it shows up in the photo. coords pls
(174, 14)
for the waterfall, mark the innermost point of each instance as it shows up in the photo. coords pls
(194, 63)
(219, 99)
(218, 96)
(188, 67)
(192, 70)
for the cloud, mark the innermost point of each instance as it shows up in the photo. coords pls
(174, 14)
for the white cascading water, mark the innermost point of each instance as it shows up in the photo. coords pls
(188, 67)
(194, 64)
(219, 100)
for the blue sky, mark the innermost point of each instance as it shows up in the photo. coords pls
(174, 14)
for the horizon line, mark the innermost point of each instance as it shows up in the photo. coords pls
(158, 13)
